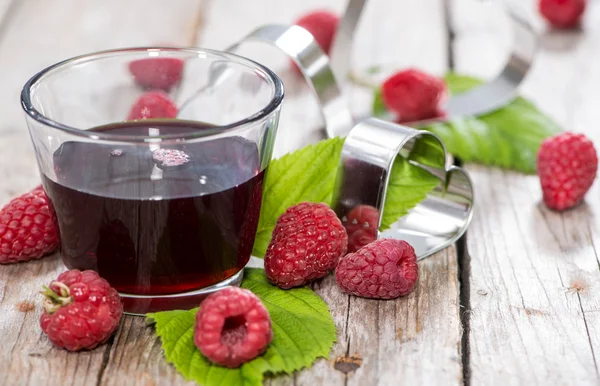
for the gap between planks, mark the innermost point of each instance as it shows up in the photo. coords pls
(463, 258)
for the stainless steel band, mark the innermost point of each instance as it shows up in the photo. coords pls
(300, 46)
(486, 98)
(373, 145)
(366, 163)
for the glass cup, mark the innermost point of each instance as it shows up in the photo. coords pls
(162, 201)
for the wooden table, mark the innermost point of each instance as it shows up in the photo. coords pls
(515, 302)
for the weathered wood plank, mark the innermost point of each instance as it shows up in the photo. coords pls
(417, 337)
(533, 272)
(37, 34)
(136, 358)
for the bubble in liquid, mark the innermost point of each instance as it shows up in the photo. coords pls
(170, 157)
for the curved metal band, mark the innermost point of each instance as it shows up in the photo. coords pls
(372, 146)
(481, 100)
(366, 162)
(503, 89)
(301, 47)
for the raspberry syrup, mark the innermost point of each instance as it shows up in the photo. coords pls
(157, 220)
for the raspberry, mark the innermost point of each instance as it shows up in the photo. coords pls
(161, 73)
(153, 104)
(414, 95)
(562, 13)
(322, 25)
(361, 224)
(27, 231)
(81, 310)
(232, 327)
(567, 165)
(307, 242)
(383, 269)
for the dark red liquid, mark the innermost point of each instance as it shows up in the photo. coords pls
(149, 228)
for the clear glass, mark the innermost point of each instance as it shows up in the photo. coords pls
(164, 208)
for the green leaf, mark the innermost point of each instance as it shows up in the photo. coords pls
(408, 186)
(458, 84)
(379, 108)
(303, 331)
(303, 328)
(509, 137)
(309, 174)
(374, 70)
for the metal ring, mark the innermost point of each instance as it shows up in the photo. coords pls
(366, 162)
(480, 100)
(301, 47)
(503, 89)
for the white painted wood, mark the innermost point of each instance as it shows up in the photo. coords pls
(534, 274)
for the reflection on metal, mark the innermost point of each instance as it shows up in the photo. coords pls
(366, 162)
(341, 48)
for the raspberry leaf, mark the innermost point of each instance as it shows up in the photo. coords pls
(303, 330)
(509, 137)
(379, 108)
(408, 186)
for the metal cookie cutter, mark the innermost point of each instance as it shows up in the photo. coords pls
(324, 74)
(481, 100)
(368, 156)
(369, 153)
(373, 146)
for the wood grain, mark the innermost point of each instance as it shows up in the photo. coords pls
(415, 338)
(379, 342)
(36, 34)
(534, 277)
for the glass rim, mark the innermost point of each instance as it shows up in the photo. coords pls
(273, 105)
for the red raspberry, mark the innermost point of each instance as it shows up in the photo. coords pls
(232, 327)
(562, 13)
(161, 73)
(414, 95)
(27, 231)
(567, 165)
(307, 242)
(81, 310)
(361, 224)
(153, 104)
(383, 269)
(322, 25)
